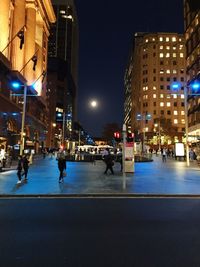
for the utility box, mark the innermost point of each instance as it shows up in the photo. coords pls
(129, 158)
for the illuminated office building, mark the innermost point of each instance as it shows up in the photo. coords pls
(24, 27)
(157, 61)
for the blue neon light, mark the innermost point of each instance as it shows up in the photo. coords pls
(195, 86)
(16, 85)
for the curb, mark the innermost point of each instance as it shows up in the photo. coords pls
(101, 195)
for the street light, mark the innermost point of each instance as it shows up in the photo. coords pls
(143, 117)
(194, 87)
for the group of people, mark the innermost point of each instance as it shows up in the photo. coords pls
(22, 168)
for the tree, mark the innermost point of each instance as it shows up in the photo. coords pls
(109, 129)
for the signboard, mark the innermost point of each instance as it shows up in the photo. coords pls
(179, 150)
(129, 157)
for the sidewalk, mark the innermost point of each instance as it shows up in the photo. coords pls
(172, 177)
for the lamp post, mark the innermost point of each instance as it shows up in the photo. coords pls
(123, 155)
(195, 91)
(159, 136)
(144, 117)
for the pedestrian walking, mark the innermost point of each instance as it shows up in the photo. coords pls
(19, 169)
(61, 165)
(109, 162)
(25, 162)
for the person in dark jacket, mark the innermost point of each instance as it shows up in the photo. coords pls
(61, 165)
(109, 163)
(25, 166)
(19, 169)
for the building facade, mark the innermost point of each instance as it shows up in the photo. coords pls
(151, 106)
(24, 27)
(192, 36)
(63, 73)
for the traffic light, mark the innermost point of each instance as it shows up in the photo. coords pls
(130, 137)
(117, 137)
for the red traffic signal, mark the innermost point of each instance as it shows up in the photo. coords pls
(116, 135)
(130, 137)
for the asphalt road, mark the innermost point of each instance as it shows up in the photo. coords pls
(99, 232)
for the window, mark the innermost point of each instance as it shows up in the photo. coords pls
(154, 79)
(174, 63)
(168, 71)
(183, 121)
(154, 70)
(161, 79)
(161, 96)
(167, 39)
(161, 87)
(146, 40)
(182, 112)
(182, 71)
(174, 54)
(154, 104)
(161, 63)
(173, 39)
(161, 71)
(182, 96)
(168, 79)
(168, 55)
(181, 55)
(175, 112)
(162, 112)
(182, 80)
(174, 96)
(168, 87)
(154, 112)
(168, 104)
(168, 96)
(174, 79)
(175, 104)
(154, 95)
(161, 39)
(161, 47)
(181, 47)
(161, 104)
(168, 47)
(154, 54)
(161, 55)
(154, 46)
(168, 112)
(175, 121)
(182, 104)
(154, 87)
(174, 71)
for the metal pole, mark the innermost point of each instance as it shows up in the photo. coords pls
(143, 147)
(79, 137)
(23, 122)
(123, 154)
(63, 131)
(186, 125)
(159, 144)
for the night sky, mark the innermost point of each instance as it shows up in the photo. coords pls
(106, 29)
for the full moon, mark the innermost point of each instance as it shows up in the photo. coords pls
(93, 103)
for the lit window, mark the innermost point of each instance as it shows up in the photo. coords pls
(146, 40)
(167, 39)
(174, 47)
(174, 54)
(161, 55)
(182, 96)
(161, 47)
(175, 112)
(174, 71)
(161, 71)
(154, 95)
(154, 87)
(174, 95)
(168, 47)
(175, 121)
(168, 96)
(173, 39)
(168, 55)
(144, 88)
(183, 121)
(161, 39)
(181, 47)
(161, 104)
(161, 96)
(153, 39)
(168, 104)
(62, 11)
(181, 54)
(168, 71)
(182, 112)
(180, 39)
